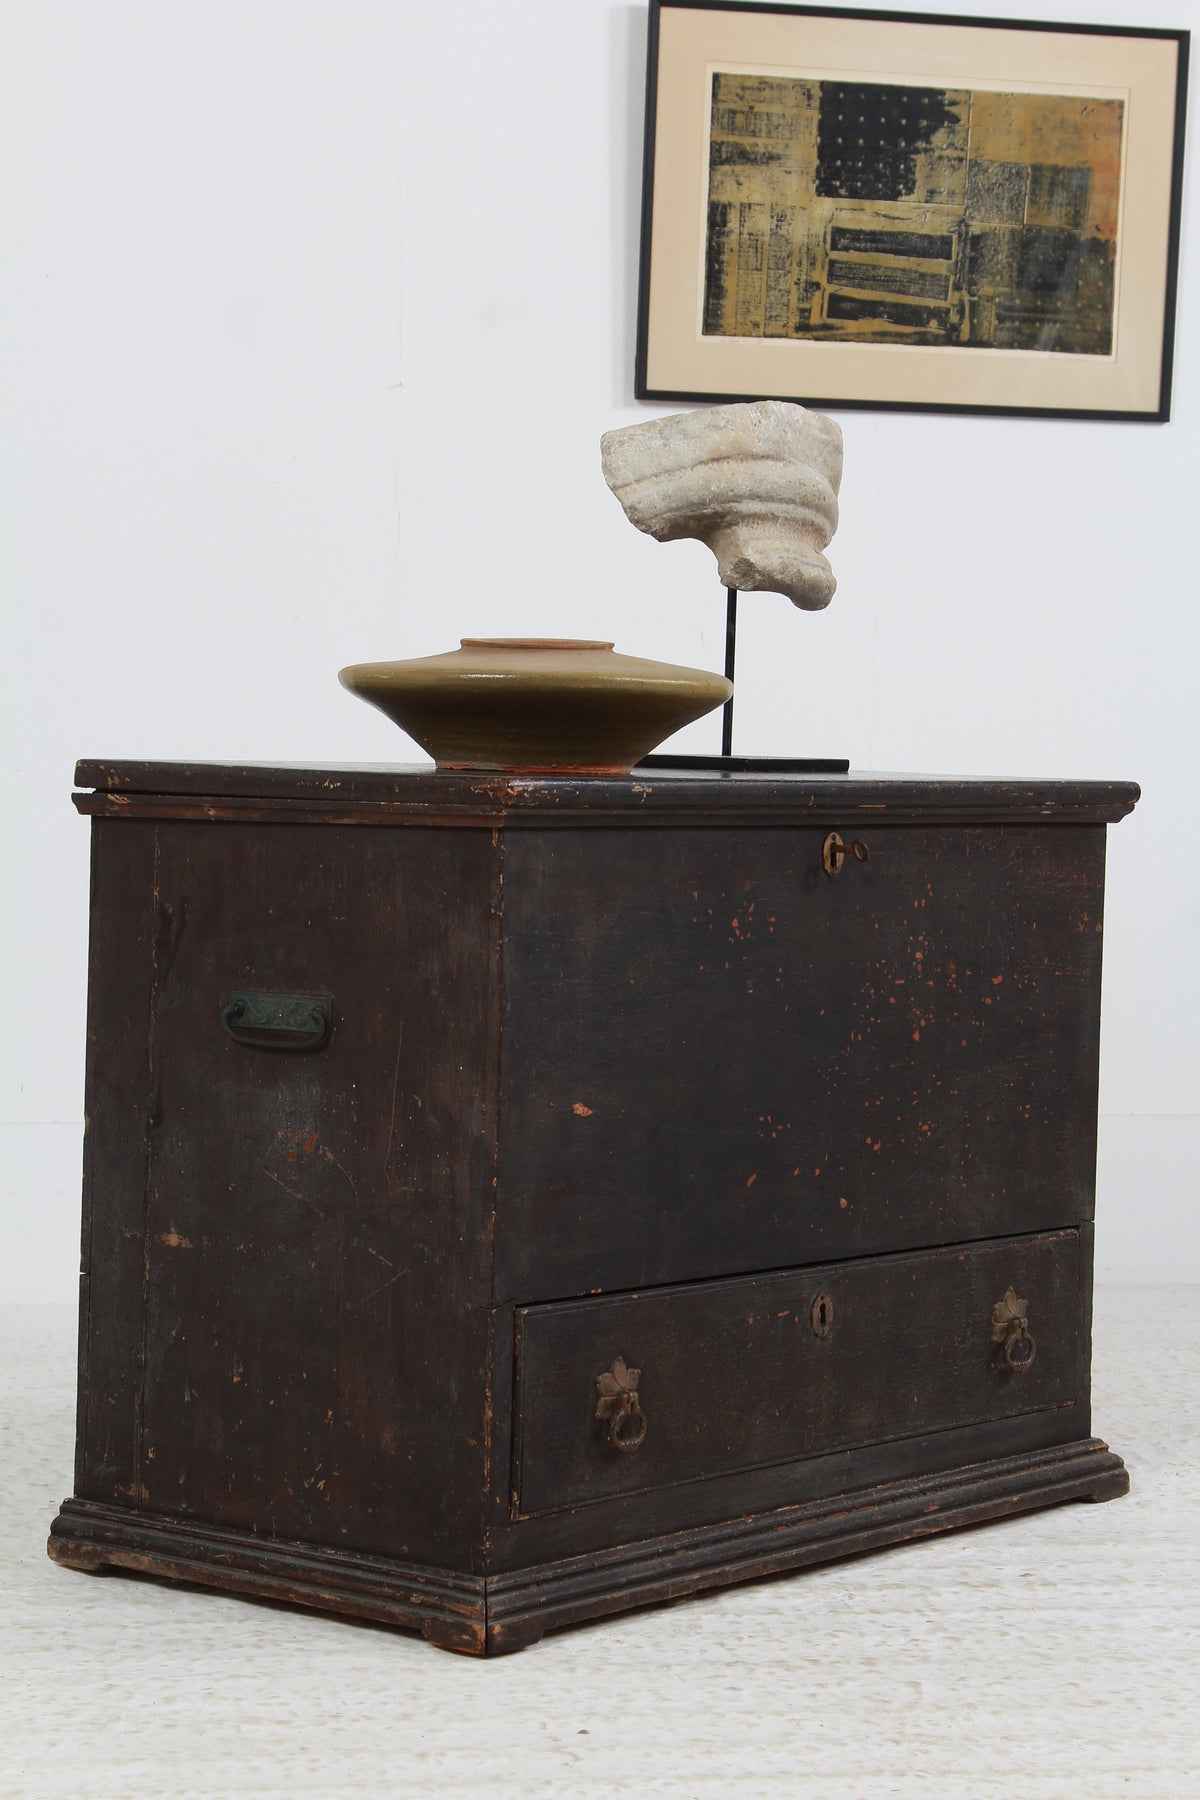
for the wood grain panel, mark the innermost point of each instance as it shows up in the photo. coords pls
(318, 1242)
(733, 1376)
(119, 1108)
(718, 1059)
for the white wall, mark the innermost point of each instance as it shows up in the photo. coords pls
(314, 314)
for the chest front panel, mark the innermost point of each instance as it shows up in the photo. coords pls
(718, 1057)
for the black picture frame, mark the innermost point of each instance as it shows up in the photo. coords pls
(739, 178)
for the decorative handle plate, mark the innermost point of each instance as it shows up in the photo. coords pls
(834, 853)
(618, 1404)
(279, 1021)
(1010, 1327)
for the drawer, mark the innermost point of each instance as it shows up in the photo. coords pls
(761, 1370)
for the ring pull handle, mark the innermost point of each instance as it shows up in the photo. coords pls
(834, 852)
(278, 1021)
(1010, 1328)
(618, 1404)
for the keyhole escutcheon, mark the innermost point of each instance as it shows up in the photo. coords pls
(834, 852)
(822, 1315)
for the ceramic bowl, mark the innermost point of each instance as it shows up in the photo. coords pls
(552, 705)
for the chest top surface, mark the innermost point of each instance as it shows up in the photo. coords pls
(382, 794)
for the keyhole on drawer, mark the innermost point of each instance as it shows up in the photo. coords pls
(822, 1315)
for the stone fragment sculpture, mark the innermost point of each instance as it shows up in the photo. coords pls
(756, 482)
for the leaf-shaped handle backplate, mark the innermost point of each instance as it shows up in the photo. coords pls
(619, 1406)
(1010, 1327)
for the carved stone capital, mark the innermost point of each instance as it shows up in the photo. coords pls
(756, 482)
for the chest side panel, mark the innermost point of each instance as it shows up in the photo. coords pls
(315, 1219)
(718, 1058)
(118, 1107)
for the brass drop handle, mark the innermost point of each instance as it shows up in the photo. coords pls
(619, 1405)
(834, 852)
(1010, 1327)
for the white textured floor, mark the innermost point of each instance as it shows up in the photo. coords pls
(1049, 1656)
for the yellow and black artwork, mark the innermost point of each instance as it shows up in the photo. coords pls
(880, 213)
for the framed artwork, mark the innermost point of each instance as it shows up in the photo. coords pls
(895, 210)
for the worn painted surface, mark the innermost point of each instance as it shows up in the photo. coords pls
(295, 1231)
(779, 1066)
(588, 1040)
(733, 1375)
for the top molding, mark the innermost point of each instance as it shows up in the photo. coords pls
(398, 795)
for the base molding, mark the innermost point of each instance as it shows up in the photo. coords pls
(491, 1615)
(447, 1607)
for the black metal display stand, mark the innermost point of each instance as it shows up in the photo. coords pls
(727, 762)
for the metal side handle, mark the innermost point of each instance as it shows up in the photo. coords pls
(278, 1021)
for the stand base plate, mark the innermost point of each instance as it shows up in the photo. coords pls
(749, 765)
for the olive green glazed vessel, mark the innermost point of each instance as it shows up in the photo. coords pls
(552, 705)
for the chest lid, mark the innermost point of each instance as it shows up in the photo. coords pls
(385, 793)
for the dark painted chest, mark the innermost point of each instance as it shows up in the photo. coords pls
(510, 1200)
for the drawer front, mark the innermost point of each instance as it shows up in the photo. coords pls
(717, 1058)
(742, 1374)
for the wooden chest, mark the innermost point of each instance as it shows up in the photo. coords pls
(513, 1200)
